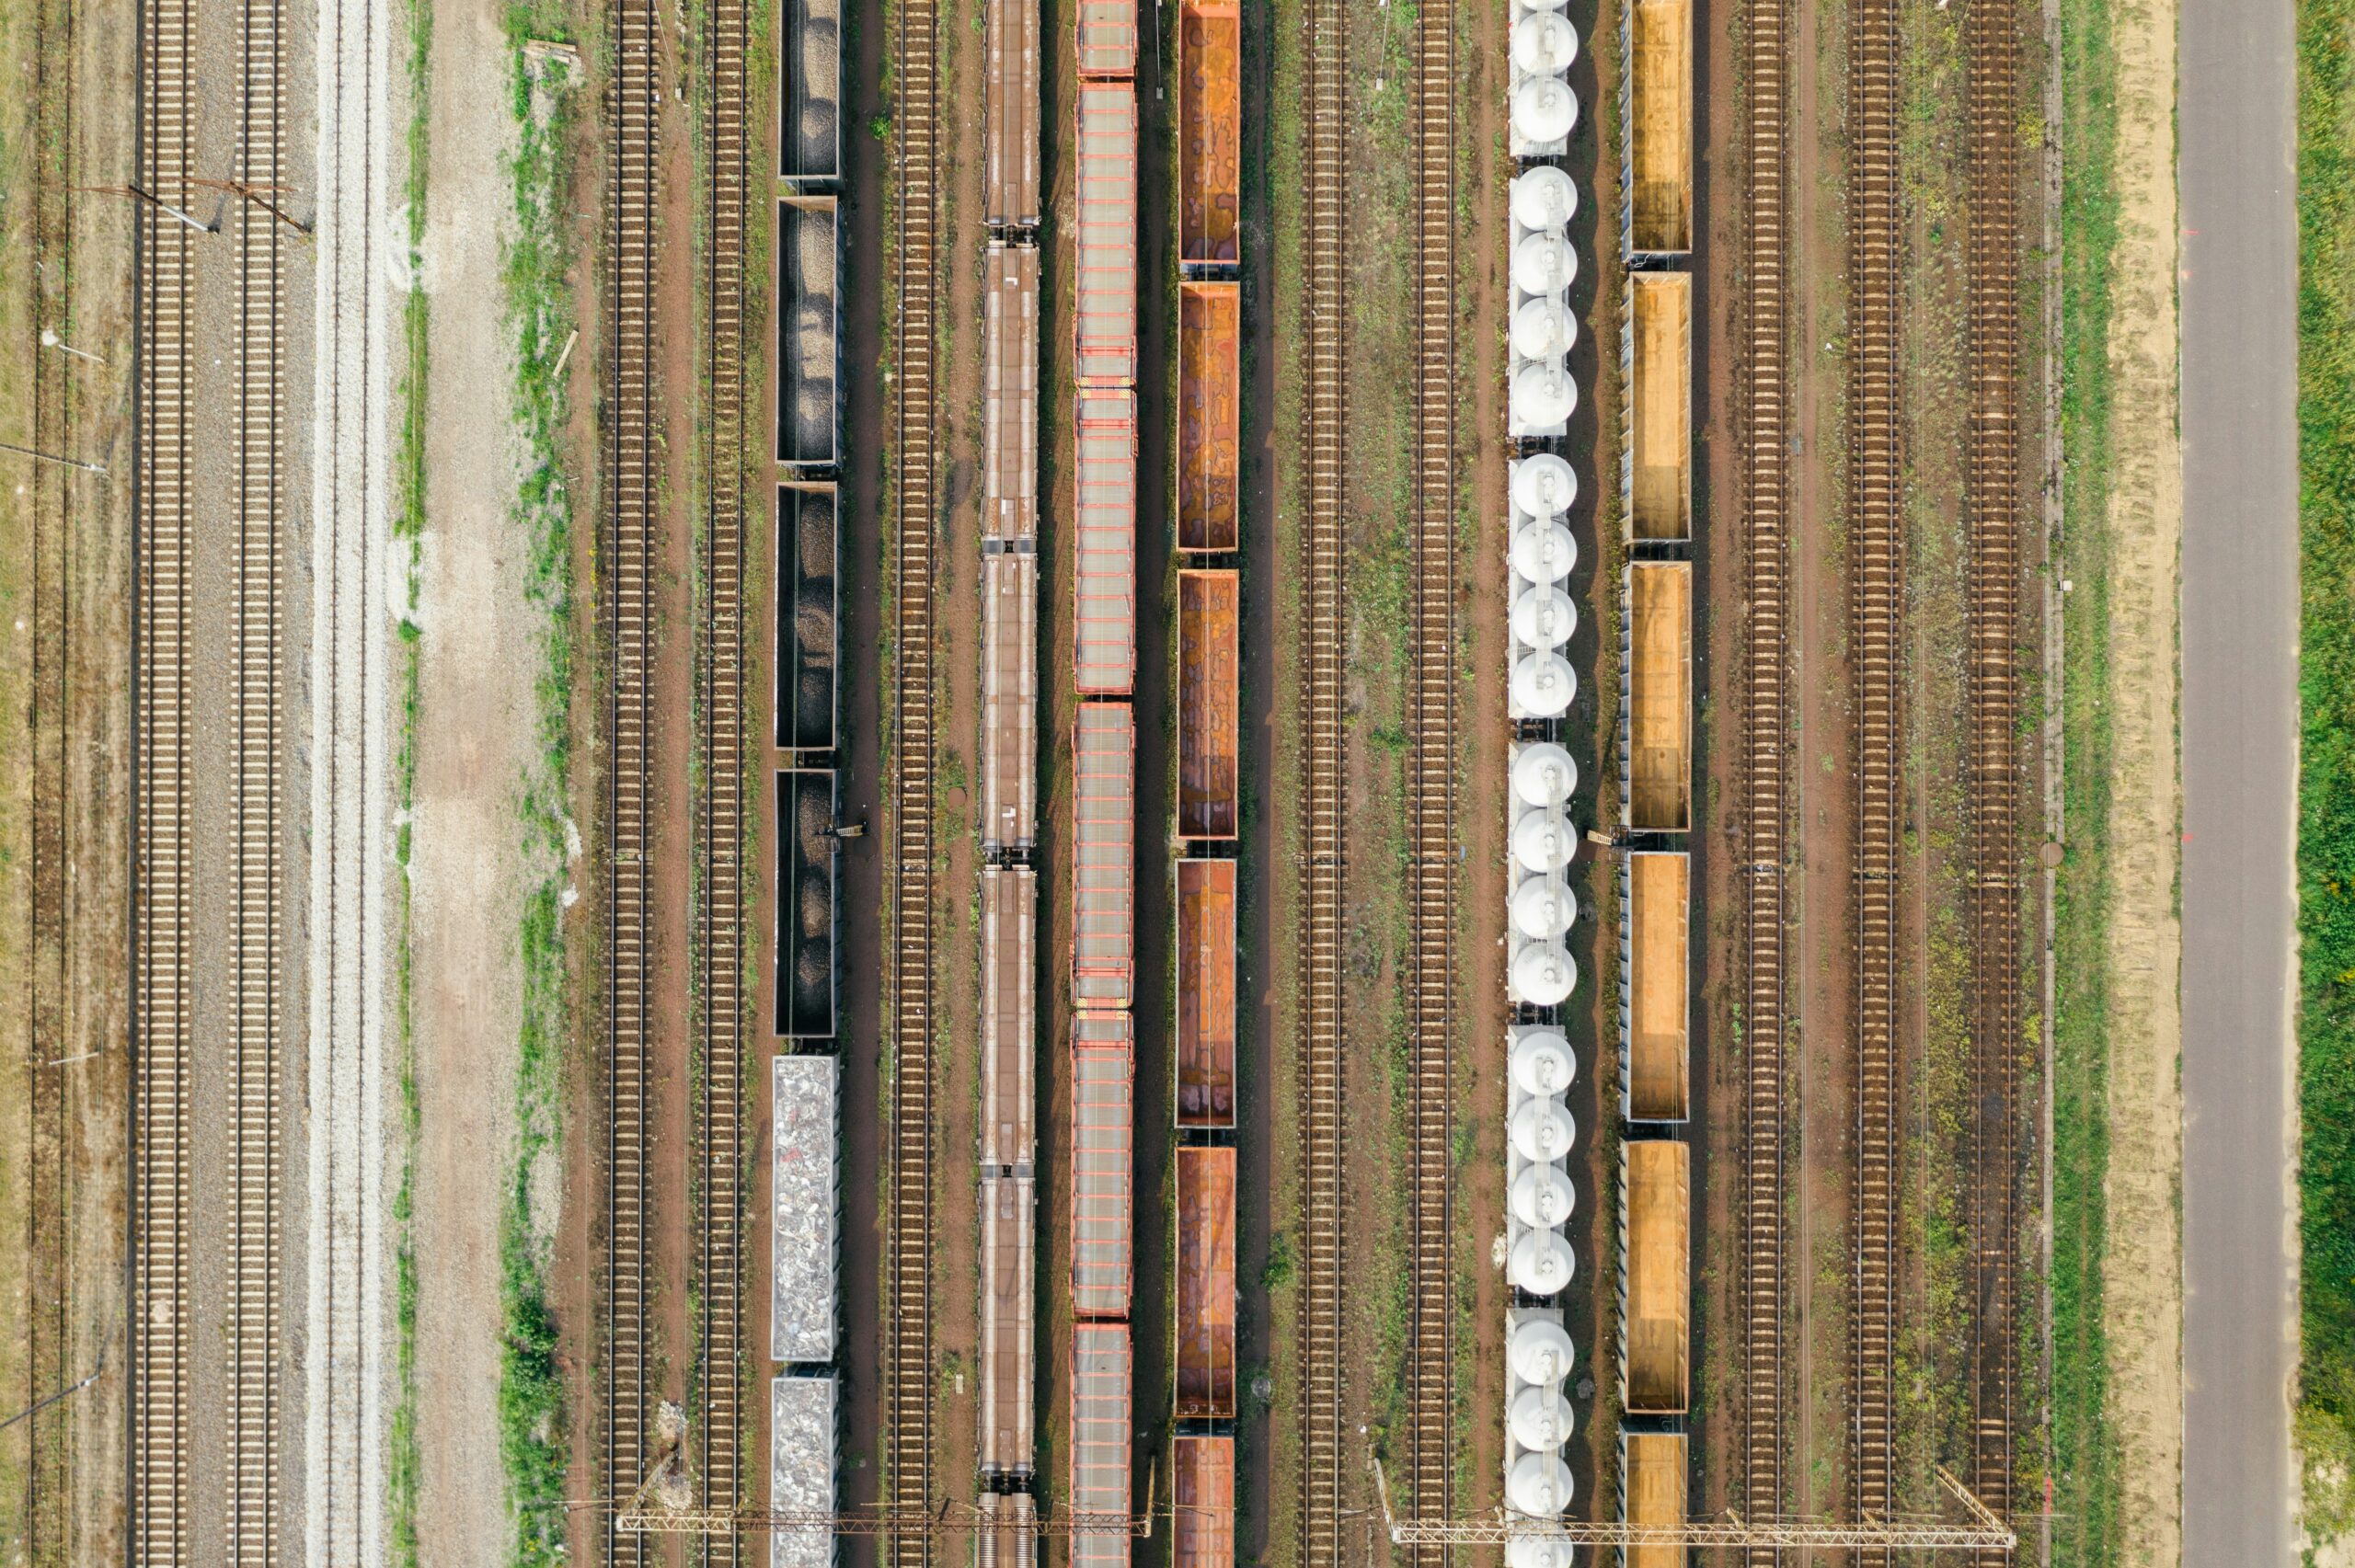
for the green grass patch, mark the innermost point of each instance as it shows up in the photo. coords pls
(2085, 1443)
(532, 1447)
(2326, 1415)
(403, 1461)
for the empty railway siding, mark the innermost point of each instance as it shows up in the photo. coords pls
(1322, 1458)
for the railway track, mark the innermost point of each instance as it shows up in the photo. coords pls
(720, 1254)
(1430, 793)
(161, 850)
(255, 1354)
(1875, 615)
(1765, 409)
(908, 1285)
(1323, 883)
(49, 1138)
(631, 482)
(1991, 479)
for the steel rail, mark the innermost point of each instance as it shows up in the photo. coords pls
(1324, 883)
(1994, 515)
(1431, 777)
(254, 1390)
(720, 1130)
(908, 1382)
(631, 482)
(1877, 621)
(1765, 437)
(158, 1429)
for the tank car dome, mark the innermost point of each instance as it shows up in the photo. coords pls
(1540, 1418)
(1542, 1129)
(1541, 1262)
(1530, 1549)
(1544, 264)
(1543, 43)
(1545, 198)
(1544, 485)
(1544, 841)
(1545, 774)
(1539, 1485)
(1543, 617)
(1544, 394)
(1544, 110)
(1543, 1198)
(1543, 908)
(1544, 974)
(1544, 552)
(1544, 684)
(1542, 329)
(1542, 1062)
(1540, 1352)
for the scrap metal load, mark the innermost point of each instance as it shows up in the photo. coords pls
(804, 1217)
(1209, 792)
(1205, 1487)
(1208, 806)
(1206, 994)
(804, 1298)
(802, 1467)
(1210, 133)
(1210, 413)
(1206, 1298)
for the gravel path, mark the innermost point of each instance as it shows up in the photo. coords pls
(474, 740)
(349, 1366)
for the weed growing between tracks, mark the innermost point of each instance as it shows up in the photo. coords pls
(1381, 340)
(2325, 1415)
(404, 1460)
(1931, 1388)
(2085, 1444)
(532, 1449)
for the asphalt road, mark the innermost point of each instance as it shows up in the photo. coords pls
(2237, 119)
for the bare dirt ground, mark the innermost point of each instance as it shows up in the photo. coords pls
(64, 753)
(1482, 298)
(475, 740)
(2143, 1273)
(1822, 976)
(1716, 1029)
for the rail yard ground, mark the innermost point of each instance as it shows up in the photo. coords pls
(522, 637)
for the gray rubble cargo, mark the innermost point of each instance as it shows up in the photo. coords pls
(801, 1468)
(802, 1208)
